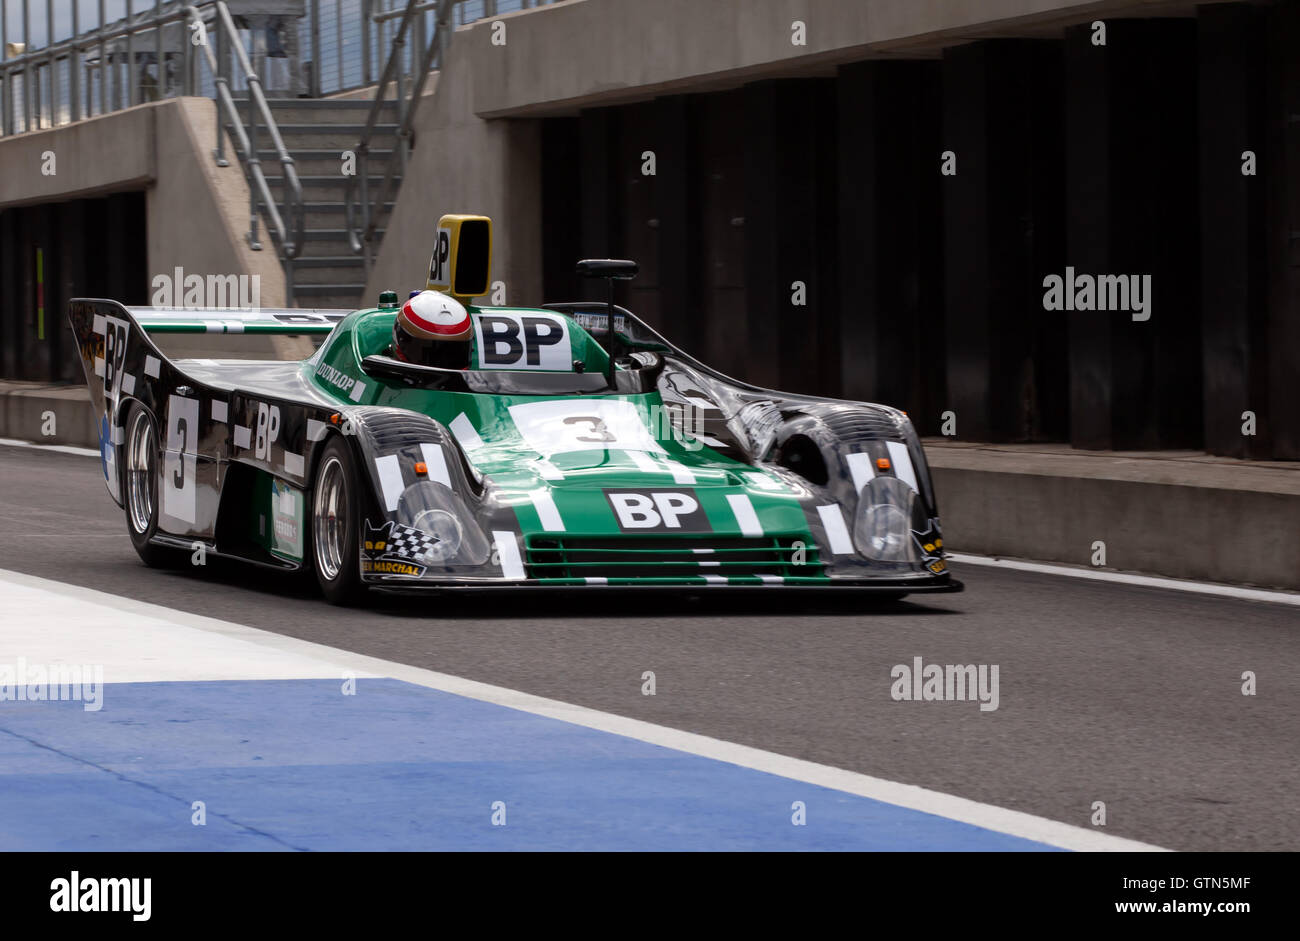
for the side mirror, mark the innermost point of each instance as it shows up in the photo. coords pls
(462, 257)
(618, 268)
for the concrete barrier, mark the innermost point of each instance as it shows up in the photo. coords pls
(1180, 514)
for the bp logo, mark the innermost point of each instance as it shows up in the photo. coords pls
(675, 511)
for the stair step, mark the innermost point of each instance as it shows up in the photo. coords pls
(328, 261)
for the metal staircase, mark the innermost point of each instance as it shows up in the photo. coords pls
(326, 272)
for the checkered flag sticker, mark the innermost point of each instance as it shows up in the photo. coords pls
(408, 543)
(393, 540)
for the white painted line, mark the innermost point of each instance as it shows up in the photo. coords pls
(745, 515)
(902, 462)
(243, 437)
(61, 448)
(464, 431)
(547, 511)
(1146, 581)
(220, 412)
(436, 462)
(860, 468)
(151, 366)
(508, 552)
(390, 479)
(86, 609)
(836, 532)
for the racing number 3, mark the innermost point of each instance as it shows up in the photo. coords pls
(178, 482)
(599, 431)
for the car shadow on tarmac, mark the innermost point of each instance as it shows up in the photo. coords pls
(532, 603)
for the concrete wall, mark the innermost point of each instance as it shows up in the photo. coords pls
(197, 212)
(462, 163)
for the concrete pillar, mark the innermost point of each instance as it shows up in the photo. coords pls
(1230, 95)
(1002, 234)
(890, 274)
(789, 234)
(1132, 210)
(1282, 181)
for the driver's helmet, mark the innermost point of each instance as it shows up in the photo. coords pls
(432, 329)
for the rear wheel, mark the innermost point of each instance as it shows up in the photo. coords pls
(335, 525)
(140, 488)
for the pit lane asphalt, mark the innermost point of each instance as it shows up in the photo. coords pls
(1109, 692)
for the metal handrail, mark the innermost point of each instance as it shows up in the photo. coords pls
(289, 238)
(361, 240)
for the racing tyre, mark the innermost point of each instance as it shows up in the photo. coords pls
(140, 488)
(335, 525)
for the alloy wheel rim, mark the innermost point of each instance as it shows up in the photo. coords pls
(139, 473)
(329, 519)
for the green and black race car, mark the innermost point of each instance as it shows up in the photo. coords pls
(580, 450)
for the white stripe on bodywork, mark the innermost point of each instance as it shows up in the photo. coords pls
(681, 473)
(465, 433)
(508, 552)
(547, 470)
(436, 462)
(151, 366)
(358, 390)
(715, 579)
(596, 580)
(836, 532)
(219, 411)
(128, 383)
(293, 464)
(98, 324)
(547, 511)
(119, 434)
(860, 468)
(771, 579)
(243, 436)
(315, 429)
(745, 515)
(390, 479)
(761, 481)
(234, 326)
(99, 366)
(644, 463)
(902, 462)
(214, 326)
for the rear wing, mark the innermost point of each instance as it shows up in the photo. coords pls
(274, 320)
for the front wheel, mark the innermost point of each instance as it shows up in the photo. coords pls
(335, 525)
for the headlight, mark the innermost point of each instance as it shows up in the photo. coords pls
(435, 510)
(882, 528)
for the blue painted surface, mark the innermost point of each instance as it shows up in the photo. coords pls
(294, 764)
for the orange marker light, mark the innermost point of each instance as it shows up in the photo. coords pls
(421, 468)
(882, 463)
(334, 419)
